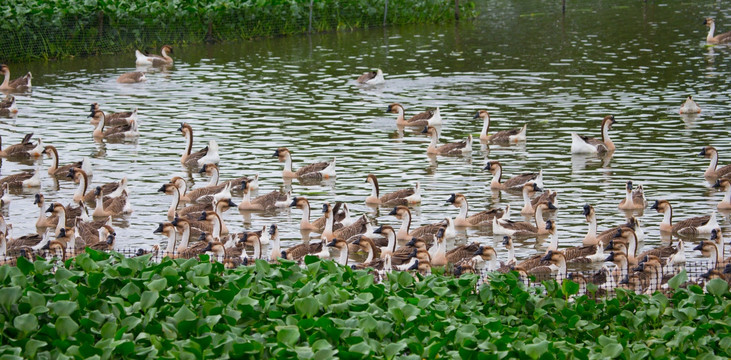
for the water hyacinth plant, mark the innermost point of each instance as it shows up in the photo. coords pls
(108, 306)
(56, 28)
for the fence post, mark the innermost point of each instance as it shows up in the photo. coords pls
(310, 27)
(563, 6)
(385, 12)
(456, 9)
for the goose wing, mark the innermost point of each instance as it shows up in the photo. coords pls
(15, 180)
(268, 200)
(455, 147)
(398, 194)
(504, 135)
(64, 170)
(376, 264)
(579, 253)
(367, 76)
(107, 188)
(691, 223)
(520, 180)
(299, 251)
(195, 209)
(115, 205)
(546, 196)
(356, 228)
(312, 168)
(598, 144)
(485, 217)
(519, 226)
(23, 241)
(724, 172)
(21, 81)
(426, 232)
(197, 194)
(663, 252)
(462, 252)
(193, 158)
(402, 255)
(421, 117)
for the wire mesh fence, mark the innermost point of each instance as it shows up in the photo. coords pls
(56, 28)
(594, 283)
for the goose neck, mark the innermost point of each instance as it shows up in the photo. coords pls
(463, 209)
(485, 126)
(709, 38)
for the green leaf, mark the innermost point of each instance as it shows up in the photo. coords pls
(536, 350)
(361, 347)
(717, 287)
(157, 285)
(65, 327)
(307, 307)
(63, 307)
(25, 266)
(288, 335)
(611, 351)
(569, 287)
(678, 280)
(393, 349)
(184, 314)
(9, 295)
(26, 323)
(148, 299)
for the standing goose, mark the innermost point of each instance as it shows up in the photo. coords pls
(718, 39)
(318, 170)
(268, 201)
(190, 158)
(154, 60)
(372, 78)
(724, 185)
(584, 144)
(426, 118)
(19, 84)
(483, 218)
(115, 132)
(516, 183)
(634, 200)
(113, 118)
(455, 148)
(689, 107)
(20, 150)
(404, 233)
(500, 137)
(8, 106)
(62, 171)
(713, 171)
(110, 207)
(398, 197)
(132, 77)
(692, 226)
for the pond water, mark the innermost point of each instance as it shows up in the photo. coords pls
(523, 61)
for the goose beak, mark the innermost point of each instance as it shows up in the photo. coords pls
(324, 208)
(487, 167)
(477, 115)
(452, 199)
(378, 230)
(284, 254)
(331, 243)
(440, 233)
(357, 241)
(231, 203)
(50, 208)
(202, 236)
(624, 281)
(388, 109)
(699, 246)
(551, 206)
(587, 210)
(394, 211)
(110, 239)
(272, 229)
(548, 256)
(413, 254)
(479, 251)
(181, 127)
(162, 188)
(294, 202)
(703, 152)
(705, 21)
(208, 247)
(506, 240)
(617, 234)
(536, 187)
(37, 200)
(70, 174)
(203, 216)
(717, 184)
(610, 257)
(276, 153)
(158, 230)
(426, 130)
(654, 206)
(415, 266)
(203, 169)
(714, 234)
(411, 242)
(609, 246)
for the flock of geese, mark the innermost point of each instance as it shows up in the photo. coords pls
(195, 225)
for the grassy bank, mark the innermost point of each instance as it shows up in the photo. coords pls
(112, 307)
(56, 28)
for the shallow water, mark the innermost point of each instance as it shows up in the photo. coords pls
(523, 62)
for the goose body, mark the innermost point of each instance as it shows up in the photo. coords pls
(20, 150)
(523, 228)
(591, 237)
(399, 256)
(405, 233)
(24, 179)
(725, 186)
(717, 39)
(318, 225)
(584, 144)
(713, 171)
(689, 106)
(8, 106)
(455, 148)
(500, 137)
(211, 156)
(20, 84)
(318, 170)
(426, 118)
(693, 226)
(516, 183)
(61, 171)
(528, 206)
(113, 189)
(634, 199)
(4, 196)
(190, 158)
(68, 216)
(299, 251)
(268, 201)
(111, 119)
(132, 77)
(110, 207)
(115, 132)
(483, 218)
(398, 197)
(372, 78)
(154, 60)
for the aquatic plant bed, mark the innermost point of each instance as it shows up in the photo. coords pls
(108, 306)
(49, 29)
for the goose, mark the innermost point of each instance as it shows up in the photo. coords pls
(516, 183)
(404, 233)
(343, 247)
(104, 245)
(438, 252)
(592, 238)
(692, 226)
(211, 156)
(185, 249)
(190, 158)
(500, 137)
(523, 228)
(717, 236)
(19, 150)
(132, 77)
(374, 259)
(115, 132)
(678, 258)
(318, 170)
(5, 194)
(372, 78)
(62, 171)
(689, 107)
(556, 264)
(169, 230)
(213, 172)
(56, 249)
(275, 247)
(584, 144)
(426, 118)
(528, 206)
(718, 39)
(14, 245)
(622, 265)
(298, 252)
(484, 258)
(110, 207)
(398, 197)
(399, 256)
(88, 230)
(713, 171)
(626, 239)
(19, 84)
(113, 189)
(112, 118)
(455, 148)
(724, 185)
(508, 243)
(68, 216)
(155, 60)
(483, 218)
(710, 250)
(8, 106)
(24, 179)
(463, 252)
(268, 201)
(318, 226)
(251, 238)
(347, 232)
(634, 200)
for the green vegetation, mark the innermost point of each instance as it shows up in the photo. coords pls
(34, 28)
(104, 306)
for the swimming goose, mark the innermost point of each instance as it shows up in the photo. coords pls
(318, 225)
(19, 150)
(584, 144)
(516, 183)
(500, 137)
(190, 158)
(132, 77)
(111, 119)
(249, 238)
(19, 84)
(463, 252)
(211, 156)
(69, 214)
(105, 245)
(528, 206)
(110, 207)
(426, 118)
(14, 245)
(404, 233)
(24, 179)
(718, 39)
(213, 172)
(268, 201)
(455, 148)
(398, 197)
(115, 132)
(318, 170)
(63, 171)
(112, 189)
(692, 226)
(155, 60)
(8, 106)
(710, 250)
(523, 228)
(372, 78)
(88, 230)
(556, 264)
(343, 247)
(298, 252)
(483, 218)
(724, 185)
(185, 249)
(399, 256)
(347, 232)
(634, 200)
(690, 107)
(592, 238)
(169, 230)
(713, 171)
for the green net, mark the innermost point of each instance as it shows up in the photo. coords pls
(56, 28)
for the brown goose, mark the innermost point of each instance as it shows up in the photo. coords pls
(319, 170)
(67, 213)
(8, 106)
(455, 148)
(710, 38)
(89, 230)
(629, 237)
(404, 232)
(268, 201)
(426, 118)
(299, 251)
(516, 183)
(692, 226)
(713, 171)
(101, 131)
(110, 207)
(185, 249)
(371, 78)
(584, 144)
(374, 259)
(190, 158)
(523, 228)
(54, 169)
(112, 189)
(592, 238)
(341, 245)
(24, 179)
(20, 150)
(26, 242)
(155, 60)
(725, 186)
(112, 119)
(500, 137)
(634, 199)
(19, 84)
(483, 218)
(358, 227)
(318, 225)
(106, 244)
(132, 77)
(462, 252)
(398, 256)
(398, 197)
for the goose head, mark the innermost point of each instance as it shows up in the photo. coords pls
(722, 184)
(430, 131)
(208, 169)
(185, 128)
(338, 243)
(588, 210)
(507, 241)
(39, 200)
(708, 151)
(417, 243)
(395, 108)
(493, 166)
(165, 228)
(167, 49)
(273, 230)
(661, 206)
(708, 22)
(487, 253)
(608, 121)
(282, 154)
(399, 211)
(456, 199)
(481, 114)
